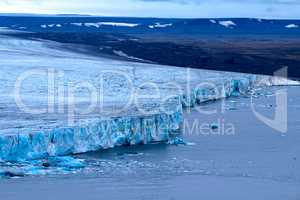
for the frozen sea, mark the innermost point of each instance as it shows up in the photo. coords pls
(256, 162)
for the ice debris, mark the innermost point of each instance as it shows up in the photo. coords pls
(176, 141)
(179, 141)
(51, 165)
(66, 162)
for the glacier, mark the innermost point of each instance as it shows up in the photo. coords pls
(41, 136)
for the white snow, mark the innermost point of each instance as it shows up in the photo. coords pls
(213, 21)
(92, 25)
(121, 24)
(159, 25)
(277, 81)
(292, 26)
(227, 24)
(118, 24)
(8, 30)
(77, 24)
(122, 54)
(50, 25)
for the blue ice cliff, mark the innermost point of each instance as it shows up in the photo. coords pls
(93, 136)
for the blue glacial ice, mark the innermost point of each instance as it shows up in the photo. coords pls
(94, 136)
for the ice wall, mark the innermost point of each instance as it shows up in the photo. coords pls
(238, 84)
(93, 135)
(230, 87)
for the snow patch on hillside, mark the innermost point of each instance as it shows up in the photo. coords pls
(50, 25)
(116, 24)
(159, 25)
(292, 26)
(92, 25)
(122, 54)
(213, 21)
(227, 24)
(77, 24)
(121, 24)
